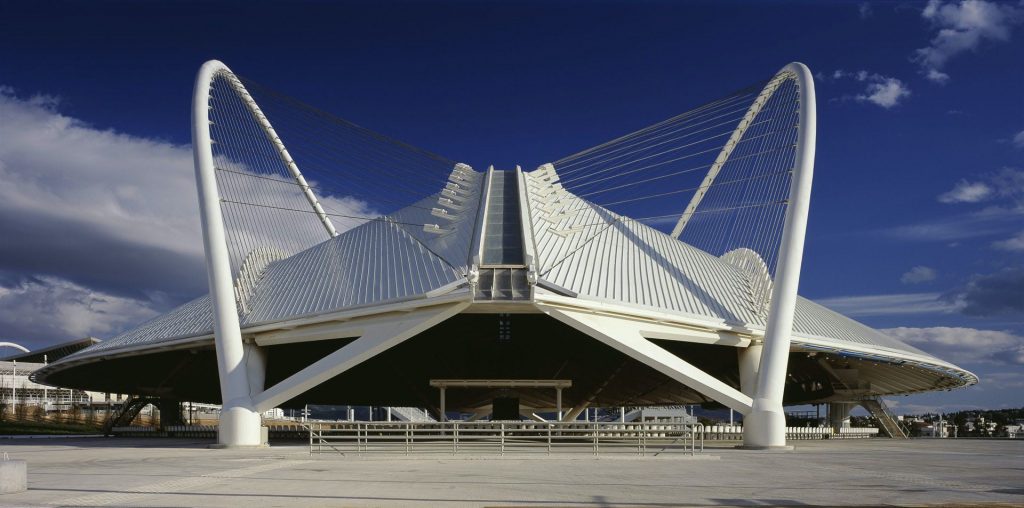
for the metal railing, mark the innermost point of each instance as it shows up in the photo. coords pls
(502, 438)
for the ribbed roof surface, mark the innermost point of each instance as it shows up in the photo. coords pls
(577, 246)
(373, 263)
(377, 262)
(599, 255)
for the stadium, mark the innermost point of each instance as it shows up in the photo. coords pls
(659, 268)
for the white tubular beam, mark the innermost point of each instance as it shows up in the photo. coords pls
(626, 336)
(765, 426)
(239, 422)
(749, 359)
(723, 156)
(375, 339)
(575, 412)
(15, 346)
(286, 157)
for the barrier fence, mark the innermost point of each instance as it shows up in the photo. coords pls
(486, 437)
(506, 438)
(735, 432)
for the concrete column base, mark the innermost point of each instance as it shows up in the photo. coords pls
(240, 427)
(13, 476)
(764, 429)
(839, 414)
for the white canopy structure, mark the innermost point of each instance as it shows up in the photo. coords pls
(512, 275)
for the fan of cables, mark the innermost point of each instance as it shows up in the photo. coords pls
(291, 176)
(716, 177)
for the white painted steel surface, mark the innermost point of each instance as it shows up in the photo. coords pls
(583, 256)
(766, 423)
(239, 424)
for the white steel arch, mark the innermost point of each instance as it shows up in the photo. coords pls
(15, 346)
(765, 426)
(239, 421)
(242, 366)
(755, 108)
(275, 140)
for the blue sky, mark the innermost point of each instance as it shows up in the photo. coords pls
(917, 219)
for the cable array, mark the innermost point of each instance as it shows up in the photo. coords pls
(291, 176)
(717, 177)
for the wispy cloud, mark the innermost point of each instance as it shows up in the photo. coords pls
(1012, 380)
(1013, 244)
(886, 93)
(99, 229)
(1002, 192)
(865, 10)
(961, 27)
(964, 345)
(976, 224)
(967, 192)
(890, 305)
(992, 294)
(53, 308)
(882, 91)
(918, 274)
(1018, 139)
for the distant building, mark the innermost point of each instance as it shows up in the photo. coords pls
(17, 387)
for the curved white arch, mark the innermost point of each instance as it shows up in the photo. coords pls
(767, 421)
(15, 346)
(787, 73)
(219, 69)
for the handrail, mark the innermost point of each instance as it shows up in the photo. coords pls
(503, 437)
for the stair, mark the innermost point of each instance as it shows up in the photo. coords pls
(502, 284)
(885, 418)
(503, 230)
(124, 415)
(503, 272)
(411, 414)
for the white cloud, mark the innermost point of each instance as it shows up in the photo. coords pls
(883, 91)
(1018, 139)
(990, 221)
(937, 76)
(918, 274)
(967, 192)
(99, 229)
(1004, 379)
(60, 168)
(864, 9)
(889, 305)
(1003, 191)
(886, 93)
(964, 345)
(961, 27)
(1012, 244)
(59, 309)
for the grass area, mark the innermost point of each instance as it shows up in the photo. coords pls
(8, 427)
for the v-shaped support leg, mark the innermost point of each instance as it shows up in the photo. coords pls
(627, 337)
(375, 337)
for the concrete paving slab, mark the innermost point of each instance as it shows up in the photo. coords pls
(171, 472)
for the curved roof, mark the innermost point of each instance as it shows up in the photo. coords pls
(577, 250)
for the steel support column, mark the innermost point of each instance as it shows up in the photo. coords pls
(765, 425)
(239, 421)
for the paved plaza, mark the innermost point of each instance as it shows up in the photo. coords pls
(169, 472)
